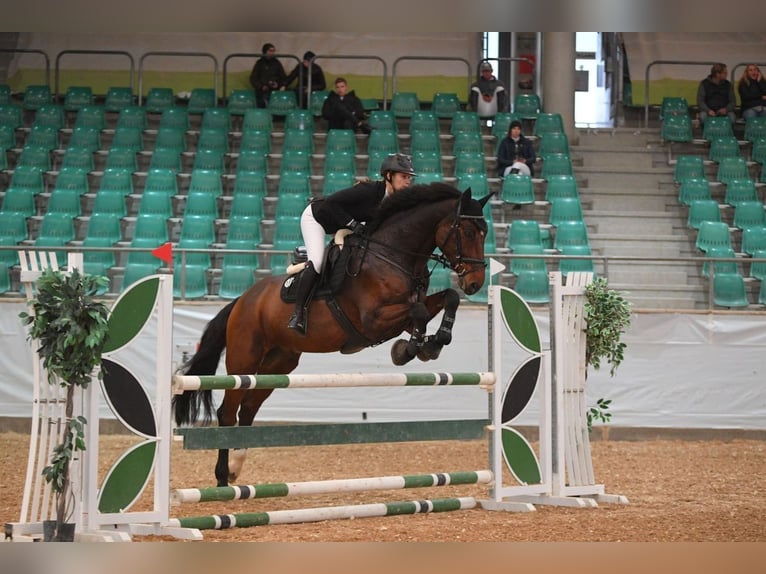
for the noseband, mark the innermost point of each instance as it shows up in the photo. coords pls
(459, 265)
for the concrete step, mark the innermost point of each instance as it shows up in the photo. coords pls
(630, 200)
(629, 221)
(618, 136)
(616, 157)
(641, 245)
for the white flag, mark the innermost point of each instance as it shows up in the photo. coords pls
(495, 267)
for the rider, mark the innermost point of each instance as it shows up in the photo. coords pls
(347, 208)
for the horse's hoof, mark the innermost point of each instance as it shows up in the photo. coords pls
(400, 354)
(430, 351)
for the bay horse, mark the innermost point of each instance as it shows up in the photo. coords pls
(382, 295)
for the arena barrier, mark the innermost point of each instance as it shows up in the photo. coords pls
(559, 472)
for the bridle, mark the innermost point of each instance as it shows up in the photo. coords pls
(459, 265)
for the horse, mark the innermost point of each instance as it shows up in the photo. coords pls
(382, 293)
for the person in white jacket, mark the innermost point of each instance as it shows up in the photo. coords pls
(487, 95)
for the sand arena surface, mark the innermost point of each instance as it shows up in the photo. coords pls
(679, 490)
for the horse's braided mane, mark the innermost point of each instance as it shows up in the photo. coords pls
(411, 197)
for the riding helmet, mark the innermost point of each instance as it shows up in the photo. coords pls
(398, 163)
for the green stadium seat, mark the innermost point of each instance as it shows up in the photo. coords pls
(50, 115)
(518, 189)
(159, 99)
(702, 210)
(240, 100)
(445, 104)
(281, 102)
(748, 214)
(118, 98)
(340, 141)
(423, 121)
(565, 209)
(729, 290)
(200, 100)
(77, 97)
(717, 126)
(548, 123)
(467, 142)
(382, 120)
(524, 232)
(687, 167)
(174, 117)
(403, 104)
(713, 234)
(36, 96)
(693, 189)
(527, 106)
(465, 121)
(132, 117)
(739, 191)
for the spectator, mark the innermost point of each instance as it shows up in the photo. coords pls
(318, 82)
(343, 110)
(348, 208)
(267, 75)
(515, 154)
(715, 95)
(752, 92)
(487, 95)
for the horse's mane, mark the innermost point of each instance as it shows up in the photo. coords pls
(411, 197)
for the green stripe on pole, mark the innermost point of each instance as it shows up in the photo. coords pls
(266, 381)
(272, 490)
(248, 519)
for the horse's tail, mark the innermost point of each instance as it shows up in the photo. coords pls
(187, 406)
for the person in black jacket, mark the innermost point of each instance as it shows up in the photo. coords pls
(715, 95)
(318, 82)
(515, 154)
(752, 92)
(345, 209)
(343, 110)
(267, 75)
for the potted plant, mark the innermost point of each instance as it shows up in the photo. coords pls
(70, 328)
(607, 316)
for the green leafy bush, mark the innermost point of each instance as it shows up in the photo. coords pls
(607, 316)
(70, 328)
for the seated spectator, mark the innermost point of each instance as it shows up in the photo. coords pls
(752, 92)
(715, 95)
(343, 110)
(515, 154)
(318, 82)
(487, 96)
(267, 75)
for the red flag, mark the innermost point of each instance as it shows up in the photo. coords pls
(164, 252)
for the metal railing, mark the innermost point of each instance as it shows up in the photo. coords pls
(433, 58)
(255, 56)
(664, 62)
(103, 52)
(176, 54)
(601, 263)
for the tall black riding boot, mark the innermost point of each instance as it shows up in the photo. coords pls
(306, 282)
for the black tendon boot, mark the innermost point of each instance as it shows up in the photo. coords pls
(306, 282)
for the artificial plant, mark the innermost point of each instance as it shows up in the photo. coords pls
(607, 316)
(69, 328)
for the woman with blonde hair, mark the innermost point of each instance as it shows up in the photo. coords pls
(752, 92)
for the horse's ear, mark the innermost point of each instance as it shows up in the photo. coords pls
(483, 201)
(465, 201)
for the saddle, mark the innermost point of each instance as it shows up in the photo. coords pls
(333, 270)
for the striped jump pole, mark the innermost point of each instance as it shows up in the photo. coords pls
(272, 490)
(181, 383)
(248, 519)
